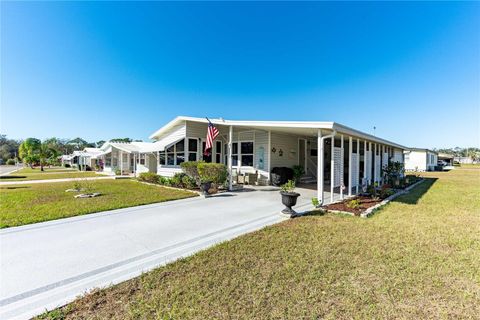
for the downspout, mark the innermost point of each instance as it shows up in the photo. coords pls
(320, 168)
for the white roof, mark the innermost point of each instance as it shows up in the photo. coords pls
(129, 147)
(309, 128)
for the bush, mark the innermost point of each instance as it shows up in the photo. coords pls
(10, 162)
(191, 169)
(353, 204)
(386, 191)
(298, 172)
(212, 172)
(149, 177)
(66, 165)
(189, 182)
(118, 172)
(176, 180)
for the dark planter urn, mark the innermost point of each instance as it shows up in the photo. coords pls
(205, 186)
(289, 199)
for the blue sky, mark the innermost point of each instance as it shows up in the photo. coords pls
(106, 70)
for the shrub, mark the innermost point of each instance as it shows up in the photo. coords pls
(191, 169)
(212, 172)
(393, 171)
(10, 162)
(189, 182)
(315, 202)
(66, 165)
(289, 186)
(118, 172)
(353, 204)
(386, 191)
(298, 172)
(176, 180)
(149, 177)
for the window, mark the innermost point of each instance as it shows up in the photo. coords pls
(180, 152)
(246, 149)
(192, 149)
(235, 154)
(173, 155)
(218, 152)
(141, 159)
(206, 157)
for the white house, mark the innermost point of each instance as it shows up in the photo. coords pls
(128, 157)
(88, 158)
(347, 158)
(417, 159)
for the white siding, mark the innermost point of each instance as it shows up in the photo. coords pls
(288, 145)
(416, 161)
(175, 134)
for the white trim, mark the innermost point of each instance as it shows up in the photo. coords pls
(278, 125)
(350, 149)
(342, 164)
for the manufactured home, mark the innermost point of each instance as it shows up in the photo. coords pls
(417, 159)
(127, 157)
(335, 158)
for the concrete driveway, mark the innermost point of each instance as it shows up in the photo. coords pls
(6, 169)
(46, 265)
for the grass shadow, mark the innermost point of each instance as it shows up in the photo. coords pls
(13, 177)
(19, 187)
(417, 192)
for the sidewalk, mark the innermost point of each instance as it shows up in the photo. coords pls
(61, 180)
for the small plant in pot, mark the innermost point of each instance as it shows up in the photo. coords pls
(289, 197)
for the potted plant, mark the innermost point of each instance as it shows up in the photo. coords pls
(289, 197)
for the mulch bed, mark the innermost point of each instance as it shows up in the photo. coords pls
(365, 203)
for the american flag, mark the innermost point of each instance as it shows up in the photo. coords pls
(212, 133)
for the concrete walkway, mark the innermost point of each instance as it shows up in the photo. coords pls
(59, 180)
(48, 264)
(7, 169)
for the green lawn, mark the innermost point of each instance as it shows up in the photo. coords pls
(24, 204)
(49, 173)
(418, 258)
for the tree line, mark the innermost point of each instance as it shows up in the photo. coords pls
(46, 152)
(473, 153)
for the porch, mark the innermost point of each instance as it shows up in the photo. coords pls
(337, 160)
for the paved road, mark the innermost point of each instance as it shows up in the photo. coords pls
(4, 169)
(45, 265)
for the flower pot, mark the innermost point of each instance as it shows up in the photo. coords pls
(205, 186)
(289, 199)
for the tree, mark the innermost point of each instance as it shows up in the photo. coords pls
(79, 144)
(8, 147)
(99, 143)
(121, 140)
(29, 151)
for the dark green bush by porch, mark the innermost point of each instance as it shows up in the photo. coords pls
(10, 162)
(212, 172)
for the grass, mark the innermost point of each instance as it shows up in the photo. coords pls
(25, 204)
(27, 174)
(417, 258)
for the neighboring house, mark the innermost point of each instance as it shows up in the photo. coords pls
(417, 159)
(69, 159)
(348, 157)
(128, 157)
(445, 159)
(88, 158)
(464, 160)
